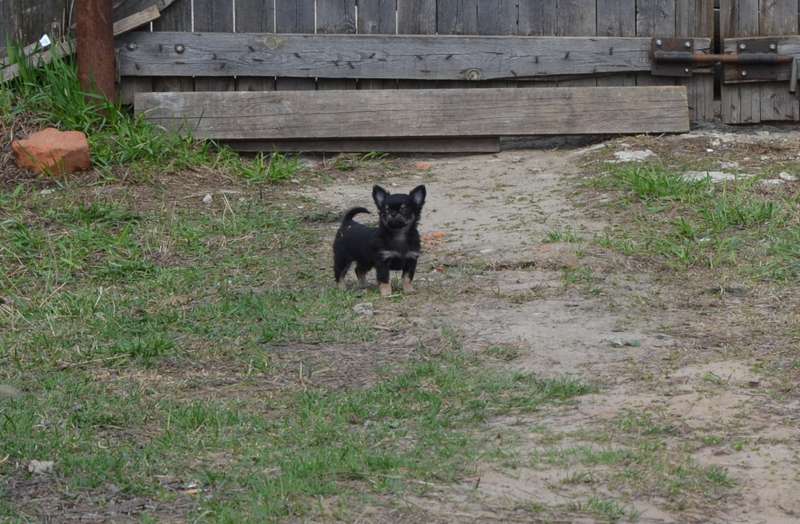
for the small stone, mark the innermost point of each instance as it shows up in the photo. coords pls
(208, 199)
(788, 177)
(423, 166)
(47, 191)
(7, 391)
(53, 152)
(729, 165)
(365, 309)
(633, 156)
(40, 467)
(772, 182)
(714, 176)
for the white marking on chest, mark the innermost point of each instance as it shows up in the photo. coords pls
(386, 254)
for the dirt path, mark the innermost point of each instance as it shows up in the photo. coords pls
(678, 429)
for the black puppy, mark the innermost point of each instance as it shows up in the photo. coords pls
(393, 246)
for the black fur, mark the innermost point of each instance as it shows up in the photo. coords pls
(393, 246)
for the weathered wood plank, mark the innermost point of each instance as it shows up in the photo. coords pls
(577, 18)
(538, 17)
(213, 15)
(419, 113)
(255, 16)
(378, 56)
(616, 18)
(456, 17)
(123, 8)
(416, 17)
(294, 16)
(377, 17)
(778, 17)
(135, 20)
(336, 17)
(497, 17)
(387, 145)
(177, 17)
(655, 18)
(696, 18)
(740, 104)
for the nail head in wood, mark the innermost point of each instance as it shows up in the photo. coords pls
(180, 48)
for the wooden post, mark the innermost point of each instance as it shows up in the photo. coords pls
(95, 35)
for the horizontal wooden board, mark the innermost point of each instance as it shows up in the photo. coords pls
(419, 113)
(419, 57)
(386, 145)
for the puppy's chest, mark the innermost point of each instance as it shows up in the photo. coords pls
(398, 249)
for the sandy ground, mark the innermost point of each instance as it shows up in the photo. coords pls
(633, 333)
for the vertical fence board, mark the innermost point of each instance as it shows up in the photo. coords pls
(294, 16)
(377, 17)
(255, 16)
(177, 17)
(336, 17)
(416, 17)
(497, 17)
(537, 18)
(655, 18)
(457, 17)
(616, 18)
(214, 16)
(778, 17)
(37, 18)
(696, 18)
(740, 104)
(577, 18)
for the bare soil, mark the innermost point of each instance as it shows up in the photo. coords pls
(655, 342)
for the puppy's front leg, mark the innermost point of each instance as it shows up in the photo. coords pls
(409, 268)
(382, 272)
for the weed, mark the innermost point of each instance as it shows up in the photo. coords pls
(688, 223)
(276, 167)
(562, 236)
(507, 353)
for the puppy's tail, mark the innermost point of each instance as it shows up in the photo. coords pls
(348, 217)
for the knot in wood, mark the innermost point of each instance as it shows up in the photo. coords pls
(473, 74)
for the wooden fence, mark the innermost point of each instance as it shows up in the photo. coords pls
(26, 20)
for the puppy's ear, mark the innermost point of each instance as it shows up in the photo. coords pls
(379, 195)
(418, 195)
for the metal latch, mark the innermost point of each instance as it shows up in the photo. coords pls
(754, 61)
(795, 74)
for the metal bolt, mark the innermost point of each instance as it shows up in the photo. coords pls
(179, 48)
(743, 73)
(742, 46)
(659, 43)
(773, 47)
(686, 70)
(687, 44)
(131, 46)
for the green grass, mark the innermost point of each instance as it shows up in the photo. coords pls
(51, 96)
(640, 455)
(270, 168)
(125, 322)
(566, 235)
(687, 224)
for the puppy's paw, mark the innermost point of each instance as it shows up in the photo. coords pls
(408, 287)
(386, 289)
